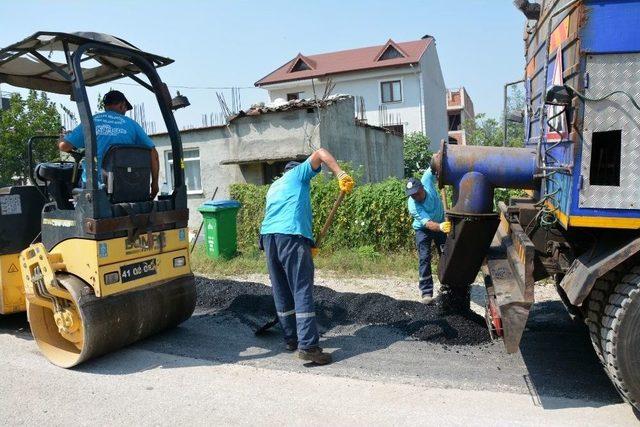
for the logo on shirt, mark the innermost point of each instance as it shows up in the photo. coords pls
(106, 130)
(409, 185)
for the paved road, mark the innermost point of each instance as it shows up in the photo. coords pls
(212, 370)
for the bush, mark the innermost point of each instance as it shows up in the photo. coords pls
(373, 217)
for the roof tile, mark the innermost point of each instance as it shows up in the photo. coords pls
(345, 61)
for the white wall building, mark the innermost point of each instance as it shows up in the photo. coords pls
(395, 85)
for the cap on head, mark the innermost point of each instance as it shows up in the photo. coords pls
(412, 187)
(115, 97)
(290, 165)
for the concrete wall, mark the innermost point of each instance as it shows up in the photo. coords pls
(283, 135)
(213, 144)
(435, 97)
(379, 152)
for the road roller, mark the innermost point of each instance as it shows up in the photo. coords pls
(100, 264)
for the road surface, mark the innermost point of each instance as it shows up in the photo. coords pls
(398, 370)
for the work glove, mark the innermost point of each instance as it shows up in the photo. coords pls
(445, 227)
(314, 251)
(345, 182)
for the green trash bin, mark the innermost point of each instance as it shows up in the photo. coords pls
(220, 230)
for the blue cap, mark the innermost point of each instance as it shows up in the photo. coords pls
(292, 164)
(412, 187)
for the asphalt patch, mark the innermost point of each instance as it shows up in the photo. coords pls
(252, 303)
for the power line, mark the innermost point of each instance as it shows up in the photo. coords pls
(196, 87)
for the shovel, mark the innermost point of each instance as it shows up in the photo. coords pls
(332, 213)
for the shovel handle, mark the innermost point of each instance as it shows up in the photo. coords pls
(329, 221)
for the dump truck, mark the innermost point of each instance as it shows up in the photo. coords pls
(579, 224)
(97, 265)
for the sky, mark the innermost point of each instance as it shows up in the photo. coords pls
(220, 44)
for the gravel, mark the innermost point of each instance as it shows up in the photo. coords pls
(251, 302)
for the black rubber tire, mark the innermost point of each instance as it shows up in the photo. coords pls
(613, 317)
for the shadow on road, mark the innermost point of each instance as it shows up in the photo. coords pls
(561, 362)
(15, 324)
(228, 312)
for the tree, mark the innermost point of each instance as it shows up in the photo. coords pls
(417, 153)
(35, 115)
(483, 130)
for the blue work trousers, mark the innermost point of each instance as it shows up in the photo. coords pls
(291, 271)
(424, 239)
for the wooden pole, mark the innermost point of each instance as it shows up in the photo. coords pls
(329, 221)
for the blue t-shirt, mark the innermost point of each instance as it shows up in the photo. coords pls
(430, 209)
(288, 209)
(111, 129)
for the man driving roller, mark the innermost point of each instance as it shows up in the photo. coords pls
(113, 127)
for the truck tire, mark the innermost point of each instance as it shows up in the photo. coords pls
(614, 321)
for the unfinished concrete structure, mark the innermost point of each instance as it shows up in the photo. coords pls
(254, 146)
(459, 110)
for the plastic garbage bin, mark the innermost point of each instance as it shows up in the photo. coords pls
(220, 228)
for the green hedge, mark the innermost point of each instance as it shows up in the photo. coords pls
(373, 217)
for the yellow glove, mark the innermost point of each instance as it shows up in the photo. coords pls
(314, 252)
(445, 227)
(345, 182)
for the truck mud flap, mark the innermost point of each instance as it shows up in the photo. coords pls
(508, 274)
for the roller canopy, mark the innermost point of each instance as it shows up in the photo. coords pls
(41, 61)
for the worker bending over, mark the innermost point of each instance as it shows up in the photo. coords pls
(114, 128)
(287, 239)
(427, 211)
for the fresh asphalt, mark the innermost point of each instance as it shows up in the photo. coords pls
(447, 377)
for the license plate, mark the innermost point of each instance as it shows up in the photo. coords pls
(138, 270)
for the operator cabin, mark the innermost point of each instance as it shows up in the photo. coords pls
(397, 85)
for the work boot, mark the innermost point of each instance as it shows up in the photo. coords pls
(427, 299)
(291, 345)
(315, 355)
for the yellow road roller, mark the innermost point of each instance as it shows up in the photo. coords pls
(109, 266)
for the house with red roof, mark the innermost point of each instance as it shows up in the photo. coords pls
(396, 85)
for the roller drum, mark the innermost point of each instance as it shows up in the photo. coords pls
(111, 322)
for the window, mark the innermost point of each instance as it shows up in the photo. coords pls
(390, 53)
(391, 91)
(192, 178)
(300, 65)
(454, 121)
(292, 96)
(605, 158)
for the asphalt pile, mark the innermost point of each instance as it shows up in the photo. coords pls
(252, 304)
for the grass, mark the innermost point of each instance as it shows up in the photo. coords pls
(360, 262)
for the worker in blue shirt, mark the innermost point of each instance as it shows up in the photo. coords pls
(286, 236)
(114, 128)
(429, 224)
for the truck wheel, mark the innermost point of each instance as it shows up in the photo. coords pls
(614, 321)
(596, 305)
